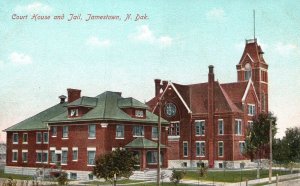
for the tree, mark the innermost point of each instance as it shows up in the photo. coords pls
(258, 137)
(176, 176)
(119, 162)
(292, 140)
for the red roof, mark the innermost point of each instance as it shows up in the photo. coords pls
(254, 50)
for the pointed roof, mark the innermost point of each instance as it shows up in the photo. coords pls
(143, 143)
(254, 51)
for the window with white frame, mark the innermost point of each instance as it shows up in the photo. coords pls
(45, 157)
(39, 156)
(92, 131)
(154, 132)
(54, 131)
(24, 156)
(250, 125)
(174, 129)
(38, 137)
(220, 148)
(248, 71)
(75, 154)
(91, 156)
(138, 130)
(151, 157)
(242, 147)
(220, 126)
(74, 112)
(139, 113)
(120, 131)
(64, 156)
(185, 149)
(263, 102)
(200, 127)
(251, 109)
(52, 156)
(25, 138)
(65, 132)
(238, 127)
(15, 138)
(200, 148)
(14, 155)
(46, 137)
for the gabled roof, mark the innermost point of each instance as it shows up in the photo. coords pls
(143, 143)
(107, 109)
(131, 103)
(38, 121)
(84, 101)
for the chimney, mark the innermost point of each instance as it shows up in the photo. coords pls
(62, 99)
(211, 75)
(73, 94)
(157, 86)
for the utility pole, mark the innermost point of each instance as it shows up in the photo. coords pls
(158, 142)
(271, 155)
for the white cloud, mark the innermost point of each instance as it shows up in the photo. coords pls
(96, 42)
(144, 34)
(285, 49)
(216, 14)
(35, 7)
(20, 58)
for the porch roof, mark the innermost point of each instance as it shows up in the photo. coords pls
(144, 143)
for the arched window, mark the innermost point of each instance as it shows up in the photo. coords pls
(248, 71)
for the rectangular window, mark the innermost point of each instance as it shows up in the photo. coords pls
(251, 109)
(38, 137)
(73, 176)
(64, 157)
(250, 124)
(152, 157)
(52, 156)
(14, 155)
(74, 112)
(75, 154)
(200, 148)
(25, 138)
(174, 129)
(200, 127)
(65, 132)
(242, 147)
(92, 131)
(120, 131)
(45, 137)
(185, 149)
(91, 157)
(154, 132)
(45, 157)
(39, 156)
(220, 148)
(220, 127)
(24, 156)
(15, 138)
(139, 113)
(54, 131)
(238, 127)
(138, 130)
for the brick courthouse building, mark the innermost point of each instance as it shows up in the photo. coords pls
(208, 121)
(205, 121)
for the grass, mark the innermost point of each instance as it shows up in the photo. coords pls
(14, 176)
(232, 176)
(125, 181)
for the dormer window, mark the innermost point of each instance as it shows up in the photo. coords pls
(139, 113)
(74, 112)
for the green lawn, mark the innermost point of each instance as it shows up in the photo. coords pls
(125, 181)
(232, 176)
(14, 176)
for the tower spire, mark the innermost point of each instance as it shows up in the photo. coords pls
(254, 23)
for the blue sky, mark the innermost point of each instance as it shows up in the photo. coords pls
(40, 59)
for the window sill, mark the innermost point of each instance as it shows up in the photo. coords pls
(14, 161)
(154, 138)
(64, 138)
(200, 135)
(53, 136)
(91, 137)
(120, 138)
(91, 165)
(173, 138)
(46, 142)
(24, 162)
(221, 134)
(63, 164)
(138, 136)
(25, 143)
(200, 156)
(75, 160)
(15, 143)
(38, 142)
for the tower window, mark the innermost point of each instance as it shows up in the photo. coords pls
(247, 71)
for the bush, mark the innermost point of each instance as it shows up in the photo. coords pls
(63, 179)
(176, 176)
